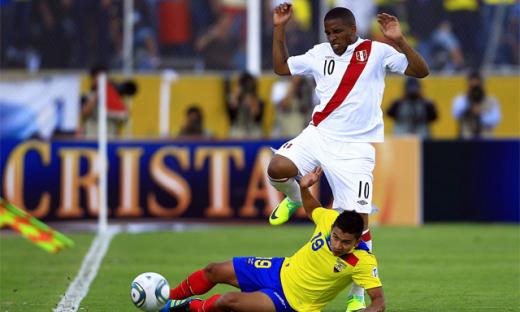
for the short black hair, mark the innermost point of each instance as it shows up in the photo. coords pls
(96, 69)
(193, 109)
(350, 222)
(343, 13)
(475, 74)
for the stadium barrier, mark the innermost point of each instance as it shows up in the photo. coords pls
(472, 181)
(209, 92)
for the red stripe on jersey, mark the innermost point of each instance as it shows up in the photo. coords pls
(366, 236)
(355, 68)
(351, 259)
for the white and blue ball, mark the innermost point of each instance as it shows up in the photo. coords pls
(149, 291)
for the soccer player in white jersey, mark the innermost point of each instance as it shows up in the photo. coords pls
(349, 72)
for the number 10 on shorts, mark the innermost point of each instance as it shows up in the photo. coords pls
(364, 190)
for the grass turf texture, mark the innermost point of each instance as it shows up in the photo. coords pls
(435, 268)
(34, 280)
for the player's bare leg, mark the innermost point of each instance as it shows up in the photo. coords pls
(281, 167)
(202, 281)
(221, 273)
(282, 172)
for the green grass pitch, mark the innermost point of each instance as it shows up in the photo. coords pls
(456, 267)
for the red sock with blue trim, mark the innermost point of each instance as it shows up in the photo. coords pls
(367, 238)
(196, 284)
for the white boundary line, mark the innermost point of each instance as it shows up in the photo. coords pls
(78, 289)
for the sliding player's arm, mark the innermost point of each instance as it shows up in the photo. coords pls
(377, 298)
(309, 202)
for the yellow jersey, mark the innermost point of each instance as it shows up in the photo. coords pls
(313, 276)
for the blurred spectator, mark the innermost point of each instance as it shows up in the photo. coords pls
(175, 26)
(222, 46)
(501, 22)
(364, 12)
(444, 51)
(204, 14)
(194, 125)
(391, 7)
(117, 111)
(464, 18)
(218, 46)
(294, 100)
(435, 40)
(145, 43)
(246, 109)
(413, 113)
(40, 33)
(478, 114)
(99, 32)
(422, 27)
(16, 48)
(512, 34)
(299, 29)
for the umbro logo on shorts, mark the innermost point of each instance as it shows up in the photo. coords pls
(362, 202)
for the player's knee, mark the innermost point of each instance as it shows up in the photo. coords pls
(211, 272)
(281, 167)
(230, 301)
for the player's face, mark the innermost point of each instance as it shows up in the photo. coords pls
(342, 243)
(339, 34)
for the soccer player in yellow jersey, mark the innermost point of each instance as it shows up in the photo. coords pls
(333, 258)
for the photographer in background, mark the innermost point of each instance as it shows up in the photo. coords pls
(117, 110)
(294, 100)
(412, 113)
(478, 114)
(193, 127)
(246, 109)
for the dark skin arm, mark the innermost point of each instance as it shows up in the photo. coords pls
(377, 298)
(309, 202)
(391, 29)
(281, 15)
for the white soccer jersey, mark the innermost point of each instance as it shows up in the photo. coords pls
(358, 116)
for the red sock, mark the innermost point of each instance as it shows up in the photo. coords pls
(195, 284)
(205, 305)
(367, 238)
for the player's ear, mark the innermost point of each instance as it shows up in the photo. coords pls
(353, 29)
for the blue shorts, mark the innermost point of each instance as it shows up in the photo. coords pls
(262, 274)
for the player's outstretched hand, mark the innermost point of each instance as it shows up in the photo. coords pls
(311, 178)
(390, 26)
(282, 13)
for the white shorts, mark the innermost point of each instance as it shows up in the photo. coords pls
(348, 166)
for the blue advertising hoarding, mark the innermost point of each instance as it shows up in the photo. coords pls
(58, 179)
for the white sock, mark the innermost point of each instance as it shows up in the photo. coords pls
(289, 187)
(357, 290)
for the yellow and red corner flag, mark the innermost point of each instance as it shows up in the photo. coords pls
(31, 228)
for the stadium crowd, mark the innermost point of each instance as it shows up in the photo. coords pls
(452, 35)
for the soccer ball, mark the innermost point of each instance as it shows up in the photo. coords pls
(150, 291)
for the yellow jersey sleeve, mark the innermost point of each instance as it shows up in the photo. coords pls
(365, 273)
(323, 217)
